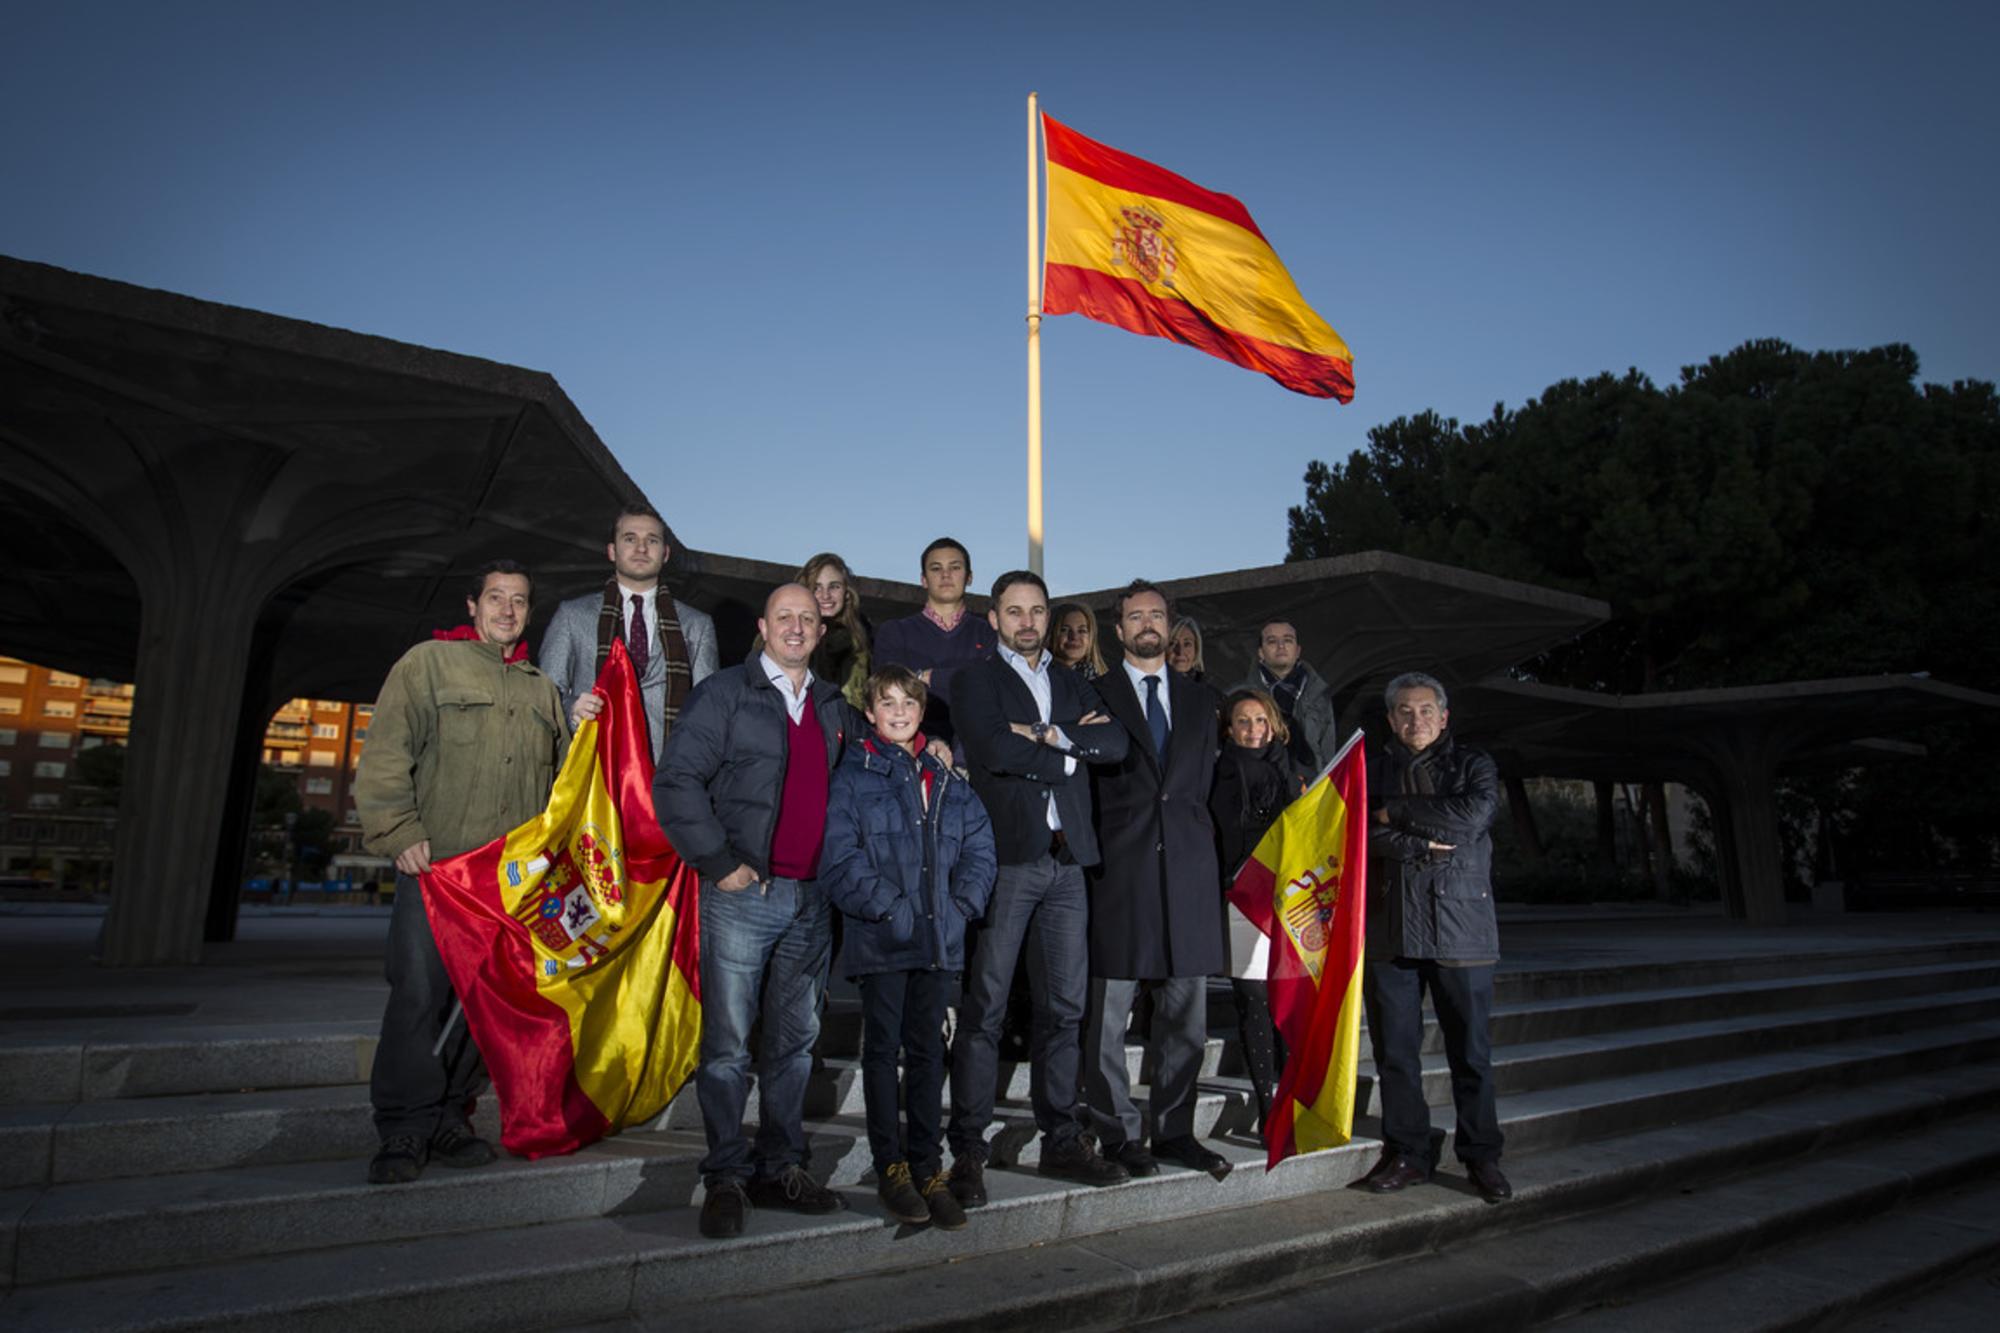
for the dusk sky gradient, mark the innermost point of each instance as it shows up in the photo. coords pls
(776, 253)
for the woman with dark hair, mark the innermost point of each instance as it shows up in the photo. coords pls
(1255, 779)
(1073, 641)
(842, 656)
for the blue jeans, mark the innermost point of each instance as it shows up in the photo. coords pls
(764, 954)
(1393, 991)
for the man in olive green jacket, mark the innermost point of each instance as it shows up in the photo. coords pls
(463, 747)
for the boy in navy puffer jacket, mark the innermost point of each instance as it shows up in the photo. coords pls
(908, 861)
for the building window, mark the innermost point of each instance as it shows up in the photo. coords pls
(62, 680)
(44, 800)
(319, 786)
(323, 759)
(54, 740)
(13, 673)
(49, 768)
(6, 768)
(8, 706)
(8, 735)
(360, 735)
(326, 731)
(353, 815)
(58, 708)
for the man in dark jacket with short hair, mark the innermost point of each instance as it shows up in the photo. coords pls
(1431, 927)
(741, 793)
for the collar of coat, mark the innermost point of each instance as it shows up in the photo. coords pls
(518, 653)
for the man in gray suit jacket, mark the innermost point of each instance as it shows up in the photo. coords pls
(672, 645)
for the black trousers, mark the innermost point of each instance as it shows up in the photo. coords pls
(415, 1092)
(904, 1012)
(1463, 997)
(1263, 1047)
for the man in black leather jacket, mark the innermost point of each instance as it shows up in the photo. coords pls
(1431, 927)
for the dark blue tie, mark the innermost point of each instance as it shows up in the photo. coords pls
(1156, 717)
(636, 638)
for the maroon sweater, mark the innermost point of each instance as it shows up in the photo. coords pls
(795, 843)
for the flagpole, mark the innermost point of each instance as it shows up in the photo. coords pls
(1034, 344)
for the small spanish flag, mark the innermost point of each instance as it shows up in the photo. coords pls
(572, 942)
(1305, 887)
(1132, 244)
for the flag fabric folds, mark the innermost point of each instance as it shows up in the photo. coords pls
(572, 942)
(1305, 887)
(1132, 244)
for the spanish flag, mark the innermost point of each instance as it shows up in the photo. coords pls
(572, 943)
(1305, 887)
(1132, 244)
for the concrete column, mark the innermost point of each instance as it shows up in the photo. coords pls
(194, 644)
(1745, 762)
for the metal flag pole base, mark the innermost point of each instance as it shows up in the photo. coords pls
(457, 1008)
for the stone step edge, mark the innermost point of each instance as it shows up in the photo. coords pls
(343, 1047)
(1174, 1268)
(1559, 1113)
(414, 1285)
(1869, 1275)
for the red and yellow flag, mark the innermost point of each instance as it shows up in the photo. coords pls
(572, 943)
(1132, 244)
(1305, 887)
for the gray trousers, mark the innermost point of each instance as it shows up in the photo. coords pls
(1174, 1044)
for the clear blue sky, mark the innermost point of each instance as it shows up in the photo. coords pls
(776, 253)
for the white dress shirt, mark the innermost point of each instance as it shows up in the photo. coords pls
(795, 702)
(1139, 688)
(1036, 678)
(649, 618)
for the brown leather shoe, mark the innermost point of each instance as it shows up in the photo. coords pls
(1486, 1178)
(1406, 1171)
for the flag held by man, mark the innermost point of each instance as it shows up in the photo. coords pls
(1305, 888)
(572, 943)
(1132, 244)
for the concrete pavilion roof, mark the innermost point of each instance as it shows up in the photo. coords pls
(110, 392)
(1682, 735)
(1364, 617)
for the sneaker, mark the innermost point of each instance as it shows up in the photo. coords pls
(456, 1145)
(725, 1210)
(399, 1161)
(946, 1214)
(792, 1189)
(968, 1181)
(899, 1195)
(1076, 1159)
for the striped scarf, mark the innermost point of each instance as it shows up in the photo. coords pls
(673, 646)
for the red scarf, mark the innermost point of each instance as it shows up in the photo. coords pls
(518, 653)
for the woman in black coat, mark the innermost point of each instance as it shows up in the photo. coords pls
(1255, 779)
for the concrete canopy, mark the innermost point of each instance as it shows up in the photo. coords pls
(1370, 615)
(1726, 743)
(230, 508)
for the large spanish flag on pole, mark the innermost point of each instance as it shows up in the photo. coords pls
(1305, 887)
(572, 944)
(1132, 244)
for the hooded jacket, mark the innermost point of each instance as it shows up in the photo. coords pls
(907, 874)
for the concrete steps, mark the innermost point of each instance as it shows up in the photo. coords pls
(197, 1206)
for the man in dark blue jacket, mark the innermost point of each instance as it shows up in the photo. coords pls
(1431, 927)
(1027, 727)
(741, 792)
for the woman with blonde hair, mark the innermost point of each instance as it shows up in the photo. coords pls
(1184, 648)
(1073, 639)
(1255, 779)
(842, 655)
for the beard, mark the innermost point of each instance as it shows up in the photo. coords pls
(1148, 643)
(1026, 642)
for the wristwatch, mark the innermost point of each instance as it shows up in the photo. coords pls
(1040, 730)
